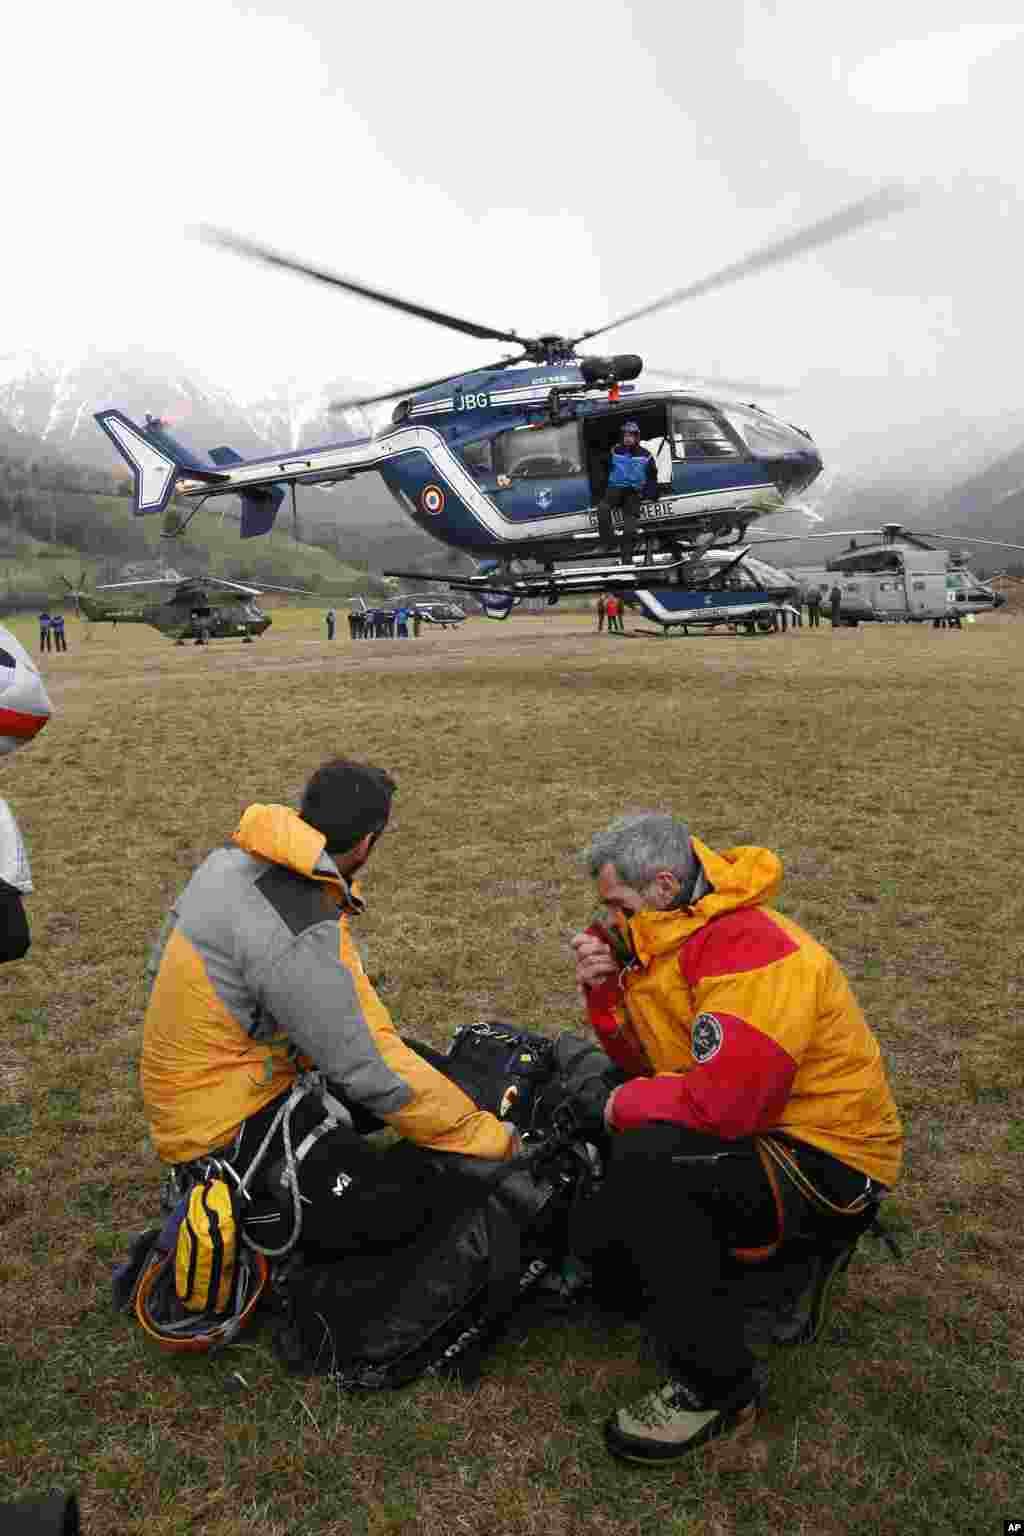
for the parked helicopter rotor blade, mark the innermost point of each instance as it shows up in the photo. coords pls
(840, 533)
(412, 389)
(961, 538)
(917, 533)
(272, 258)
(877, 205)
(716, 380)
(269, 587)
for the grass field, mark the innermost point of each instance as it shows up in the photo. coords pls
(883, 764)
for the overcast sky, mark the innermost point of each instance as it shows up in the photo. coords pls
(542, 166)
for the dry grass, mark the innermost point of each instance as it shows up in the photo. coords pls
(884, 766)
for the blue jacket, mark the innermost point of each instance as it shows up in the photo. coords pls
(633, 468)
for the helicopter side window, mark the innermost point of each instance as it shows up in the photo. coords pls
(479, 457)
(540, 453)
(697, 433)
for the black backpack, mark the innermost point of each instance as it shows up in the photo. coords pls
(382, 1319)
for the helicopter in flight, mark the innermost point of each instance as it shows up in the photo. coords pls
(508, 463)
(898, 577)
(197, 608)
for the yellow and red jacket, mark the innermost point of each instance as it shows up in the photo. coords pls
(257, 975)
(730, 1019)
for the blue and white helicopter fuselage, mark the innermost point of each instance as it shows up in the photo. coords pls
(509, 466)
(459, 465)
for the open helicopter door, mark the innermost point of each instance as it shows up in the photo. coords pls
(602, 433)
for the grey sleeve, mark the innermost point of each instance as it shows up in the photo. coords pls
(313, 999)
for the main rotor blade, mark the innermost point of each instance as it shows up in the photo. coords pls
(412, 389)
(272, 258)
(878, 205)
(716, 380)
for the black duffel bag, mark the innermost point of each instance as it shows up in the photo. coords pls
(380, 1320)
(56, 1514)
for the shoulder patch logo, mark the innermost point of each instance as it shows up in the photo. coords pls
(707, 1037)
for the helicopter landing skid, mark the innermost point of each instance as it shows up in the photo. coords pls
(559, 580)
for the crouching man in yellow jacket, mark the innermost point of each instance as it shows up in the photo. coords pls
(755, 1109)
(257, 982)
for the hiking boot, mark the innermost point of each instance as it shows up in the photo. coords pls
(806, 1321)
(675, 1419)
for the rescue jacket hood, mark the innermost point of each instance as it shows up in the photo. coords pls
(739, 877)
(279, 834)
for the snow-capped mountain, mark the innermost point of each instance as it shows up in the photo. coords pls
(54, 401)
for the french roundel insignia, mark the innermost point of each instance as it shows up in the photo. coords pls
(432, 500)
(707, 1037)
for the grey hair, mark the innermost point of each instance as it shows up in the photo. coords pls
(641, 844)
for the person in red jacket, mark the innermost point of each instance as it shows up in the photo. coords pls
(754, 1108)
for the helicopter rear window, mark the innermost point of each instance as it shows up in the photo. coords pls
(697, 433)
(539, 453)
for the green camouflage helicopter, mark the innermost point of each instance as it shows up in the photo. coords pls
(198, 608)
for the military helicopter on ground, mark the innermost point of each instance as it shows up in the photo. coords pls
(199, 608)
(507, 462)
(898, 576)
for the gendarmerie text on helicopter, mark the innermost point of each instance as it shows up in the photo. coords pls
(197, 608)
(509, 463)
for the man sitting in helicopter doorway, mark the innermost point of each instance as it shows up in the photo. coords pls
(632, 479)
(756, 1112)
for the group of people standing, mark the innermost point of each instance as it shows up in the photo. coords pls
(814, 600)
(378, 623)
(51, 632)
(609, 607)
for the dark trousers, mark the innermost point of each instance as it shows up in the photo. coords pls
(814, 617)
(44, 639)
(659, 1232)
(59, 642)
(627, 500)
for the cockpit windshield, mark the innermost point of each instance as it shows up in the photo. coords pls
(765, 435)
